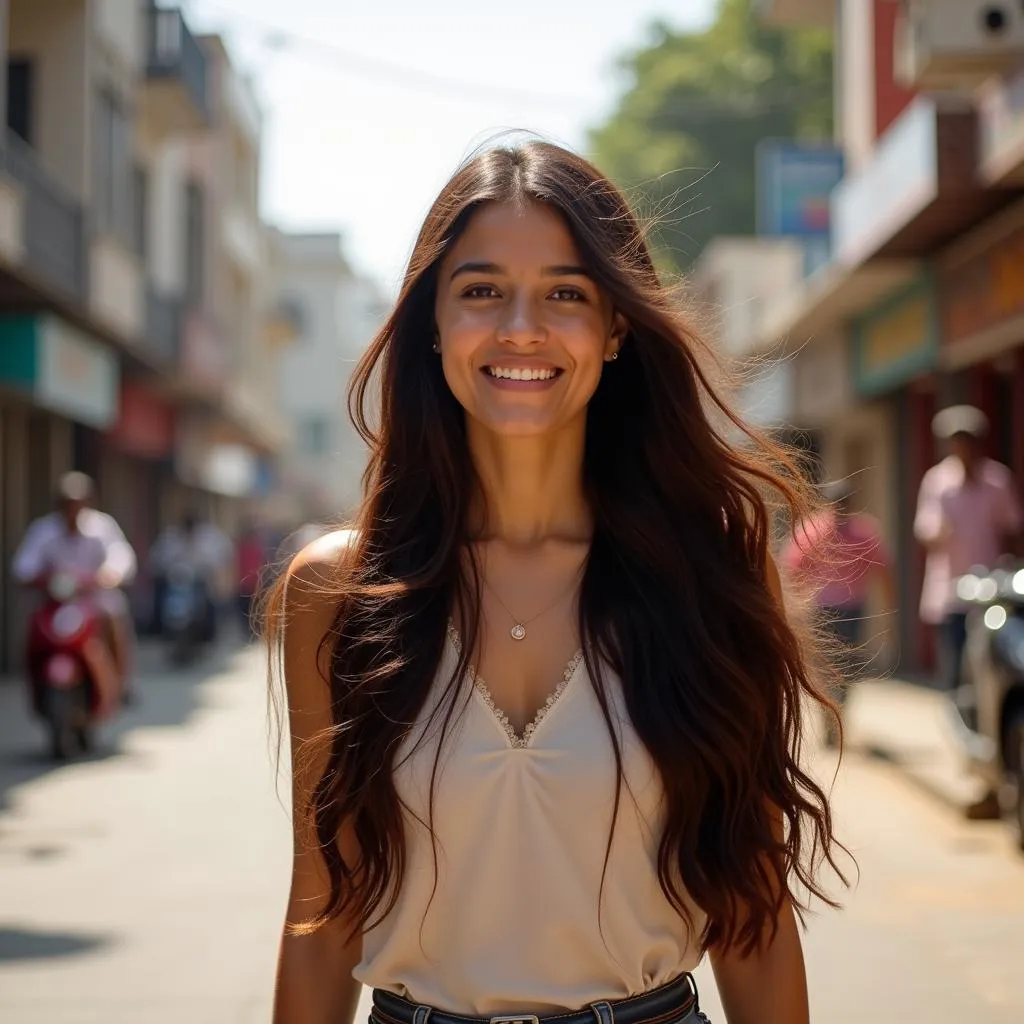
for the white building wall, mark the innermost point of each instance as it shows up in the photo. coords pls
(120, 30)
(742, 276)
(167, 167)
(338, 315)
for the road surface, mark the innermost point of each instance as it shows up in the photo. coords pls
(147, 884)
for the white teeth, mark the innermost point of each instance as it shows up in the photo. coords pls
(520, 373)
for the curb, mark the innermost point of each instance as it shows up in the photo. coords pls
(906, 727)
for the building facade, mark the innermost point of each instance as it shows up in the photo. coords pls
(335, 313)
(124, 227)
(921, 303)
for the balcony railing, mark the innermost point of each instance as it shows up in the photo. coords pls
(174, 53)
(53, 226)
(163, 326)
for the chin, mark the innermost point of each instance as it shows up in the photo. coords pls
(517, 426)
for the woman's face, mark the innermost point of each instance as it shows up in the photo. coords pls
(523, 330)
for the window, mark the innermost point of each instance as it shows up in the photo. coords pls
(195, 243)
(312, 435)
(141, 199)
(293, 311)
(19, 97)
(112, 189)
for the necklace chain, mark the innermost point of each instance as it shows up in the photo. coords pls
(518, 630)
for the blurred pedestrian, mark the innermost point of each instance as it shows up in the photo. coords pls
(207, 549)
(251, 561)
(571, 836)
(968, 515)
(837, 554)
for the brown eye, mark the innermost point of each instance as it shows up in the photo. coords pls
(480, 291)
(568, 294)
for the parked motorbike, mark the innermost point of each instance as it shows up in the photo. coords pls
(994, 664)
(64, 643)
(186, 613)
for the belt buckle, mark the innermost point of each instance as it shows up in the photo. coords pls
(515, 1018)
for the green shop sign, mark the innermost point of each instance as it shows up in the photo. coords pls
(60, 367)
(897, 340)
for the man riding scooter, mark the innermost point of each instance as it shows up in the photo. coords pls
(88, 545)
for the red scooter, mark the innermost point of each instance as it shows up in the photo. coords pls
(72, 676)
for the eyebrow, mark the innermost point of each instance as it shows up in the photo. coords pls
(561, 270)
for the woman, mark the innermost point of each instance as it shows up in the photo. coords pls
(551, 507)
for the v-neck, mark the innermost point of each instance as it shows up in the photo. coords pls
(517, 741)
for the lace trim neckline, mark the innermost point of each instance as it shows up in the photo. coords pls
(518, 741)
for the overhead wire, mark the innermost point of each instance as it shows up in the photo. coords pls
(278, 39)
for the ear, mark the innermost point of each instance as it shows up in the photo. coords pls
(619, 330)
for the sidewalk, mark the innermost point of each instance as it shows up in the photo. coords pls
(907, 726)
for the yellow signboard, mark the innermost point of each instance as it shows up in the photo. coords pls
(892, 338)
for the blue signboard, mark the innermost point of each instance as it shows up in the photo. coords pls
(794, 182)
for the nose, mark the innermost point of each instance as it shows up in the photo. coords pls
(520, 323)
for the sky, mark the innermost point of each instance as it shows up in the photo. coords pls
(371, 105)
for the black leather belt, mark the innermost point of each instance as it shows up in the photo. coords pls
(670, 1004)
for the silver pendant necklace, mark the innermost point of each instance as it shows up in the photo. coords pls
(518, 630)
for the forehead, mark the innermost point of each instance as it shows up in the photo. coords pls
(515, 235)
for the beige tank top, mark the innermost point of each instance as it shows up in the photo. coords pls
(522, 827)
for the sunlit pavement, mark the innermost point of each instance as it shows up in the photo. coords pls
(147, 884)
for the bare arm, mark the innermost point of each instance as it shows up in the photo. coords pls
(314, 978)
(770, 985)
(119, 565)
(931, 527)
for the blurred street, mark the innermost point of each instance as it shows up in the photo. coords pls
(153, 876)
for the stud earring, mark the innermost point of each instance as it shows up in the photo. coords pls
(613, 357)
(435, 347)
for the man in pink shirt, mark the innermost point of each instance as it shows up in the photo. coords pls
(837, 554)
(968, 515)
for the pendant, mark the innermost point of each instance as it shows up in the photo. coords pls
(518, 631)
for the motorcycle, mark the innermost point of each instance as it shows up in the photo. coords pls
(994, 666)
(70, 672)
(186, 613)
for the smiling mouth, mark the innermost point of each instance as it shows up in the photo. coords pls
(522, 373)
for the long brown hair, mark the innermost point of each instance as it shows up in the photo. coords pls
(674, 598)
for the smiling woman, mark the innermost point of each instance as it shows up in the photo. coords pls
(552, 506)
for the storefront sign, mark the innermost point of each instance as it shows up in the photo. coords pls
(145, 425)
(896, 341)
(62, 368)
(986, 291)
(794, 182)
(900, 180)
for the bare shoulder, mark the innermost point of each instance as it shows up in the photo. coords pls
(315, 568)
(311, 595)
(999, 473)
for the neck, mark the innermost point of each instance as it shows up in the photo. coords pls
(970, 467)
(531, 488)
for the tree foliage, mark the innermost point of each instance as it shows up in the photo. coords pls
(685, 131)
